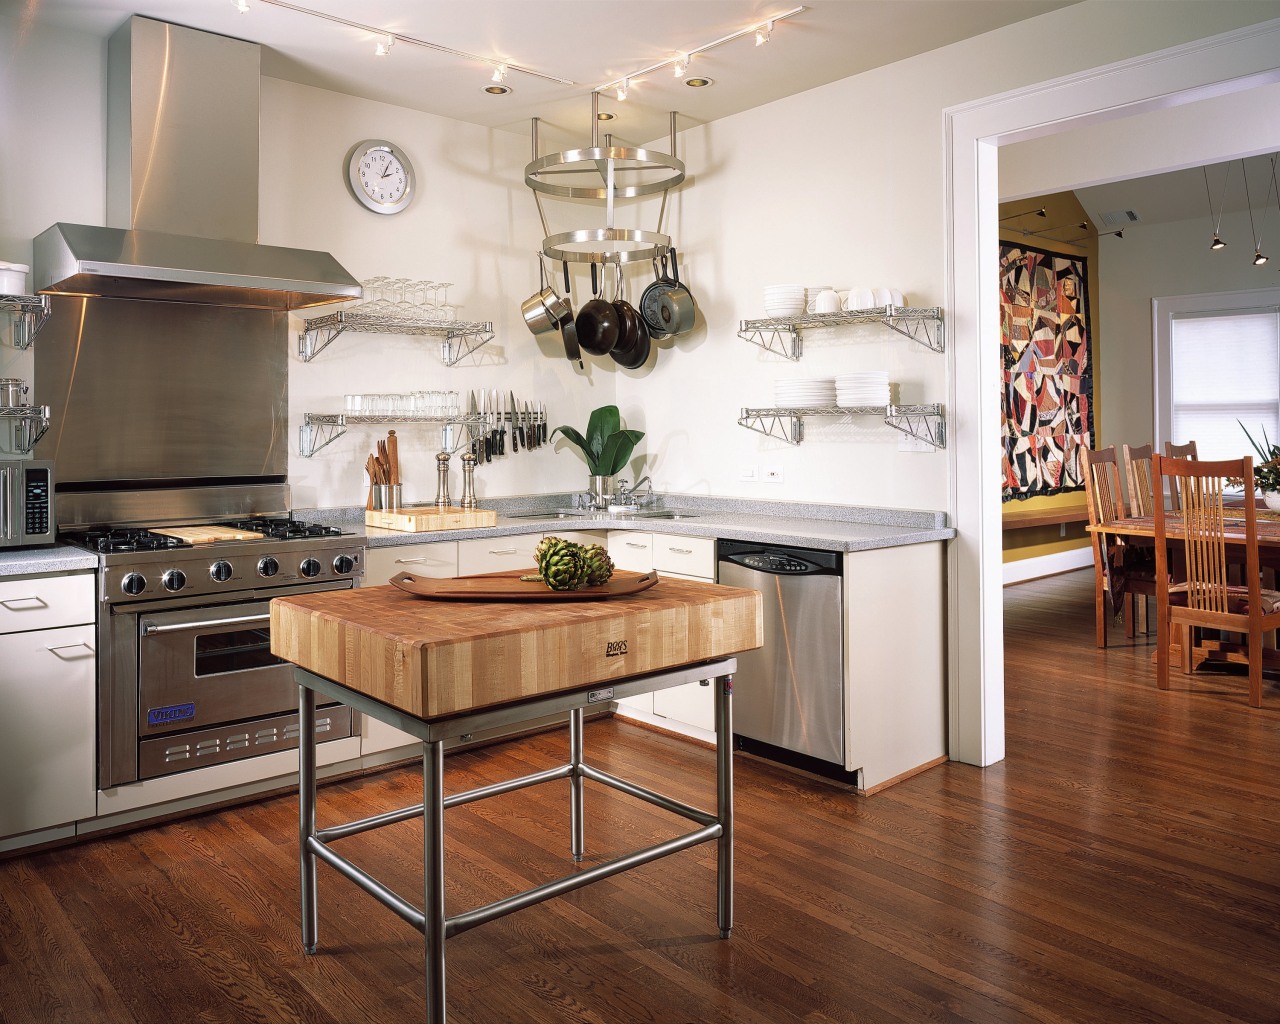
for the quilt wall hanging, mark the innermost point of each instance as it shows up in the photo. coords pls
(1047, 403)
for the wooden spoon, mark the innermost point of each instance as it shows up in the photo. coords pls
(393, 457)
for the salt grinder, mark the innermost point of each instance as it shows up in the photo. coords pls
(468, 481)
(442, 480)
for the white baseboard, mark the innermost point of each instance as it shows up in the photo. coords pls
(1047, 565)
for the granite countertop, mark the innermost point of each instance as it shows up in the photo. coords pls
(58, 558)
(827, 527)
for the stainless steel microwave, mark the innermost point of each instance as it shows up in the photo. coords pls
(26, 503)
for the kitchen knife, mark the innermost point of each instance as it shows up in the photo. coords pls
(515, 426)
(542, 423)
(531, 421)
(500, 426)
(530, 442)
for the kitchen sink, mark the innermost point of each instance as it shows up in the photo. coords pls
(586, 513)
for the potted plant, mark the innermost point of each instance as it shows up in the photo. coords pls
(607, 447)
(1266, 471)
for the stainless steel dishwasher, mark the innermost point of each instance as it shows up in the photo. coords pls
(789, 694)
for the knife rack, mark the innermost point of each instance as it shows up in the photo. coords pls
(321, 429)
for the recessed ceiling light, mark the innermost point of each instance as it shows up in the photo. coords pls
(497, 90)
(604, 115)
(698, 83)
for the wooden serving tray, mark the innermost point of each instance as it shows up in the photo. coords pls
(507, 586)
(428, 519)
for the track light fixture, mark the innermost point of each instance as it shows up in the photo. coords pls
(1042, 212)
(681, 65)
(241, 5)
(500, 73)
(622, 89)
(383, 49)
(763, 32)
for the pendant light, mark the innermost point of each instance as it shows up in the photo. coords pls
(1217, 242)
(1258, 258)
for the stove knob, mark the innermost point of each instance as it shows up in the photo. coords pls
(133, 584)
(220, 571)
(343, 564)
(174, 580)
(268, 566)
(310, 567)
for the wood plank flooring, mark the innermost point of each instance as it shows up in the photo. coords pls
(1122, 864)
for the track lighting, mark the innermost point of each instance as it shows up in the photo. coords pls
(763, 33)
(500, 73)
(681, 65)
(383, 49)
(1042, 212)
(1258, 258)
(622, 89)
(1217, 243)
(241, 5)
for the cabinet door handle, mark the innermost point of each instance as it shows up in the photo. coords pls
(634, 544)
(502, 551)
(416, 561)
(681, 551)
(20, 604)
(88, 652)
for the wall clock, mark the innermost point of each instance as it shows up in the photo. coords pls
(380, 176)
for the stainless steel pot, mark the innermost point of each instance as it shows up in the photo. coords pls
(13, 392)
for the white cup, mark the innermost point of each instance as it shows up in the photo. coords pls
(827, 301)
(882, 297)
(859, 298)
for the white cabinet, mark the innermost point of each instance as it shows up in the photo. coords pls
(48, 660)
(692, 558)
(496, 554)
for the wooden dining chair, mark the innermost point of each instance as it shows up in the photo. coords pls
(1205, 599)
(1137, 475)
(1116, 577)
(1179, 451)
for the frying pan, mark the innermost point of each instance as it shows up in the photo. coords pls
(597, 322)
(650, 298)
(568, 330)
(632, 347)
(676, 305)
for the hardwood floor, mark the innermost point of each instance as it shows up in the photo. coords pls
(1121, 864)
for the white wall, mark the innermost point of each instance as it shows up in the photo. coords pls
(1156, 261)
(844, 185)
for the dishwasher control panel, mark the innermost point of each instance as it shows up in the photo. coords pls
(773, 563)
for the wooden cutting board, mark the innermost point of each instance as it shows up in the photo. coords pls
(425, 520)
(207, 534)
(512, 586)
(434, 659)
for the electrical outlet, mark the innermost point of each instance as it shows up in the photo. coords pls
(773, 474)
(748, 472)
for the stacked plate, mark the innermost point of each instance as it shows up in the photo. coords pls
(784, 299)
(865, 388)
(805, 392)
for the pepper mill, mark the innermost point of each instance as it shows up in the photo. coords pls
(442, 480)
(468, 481)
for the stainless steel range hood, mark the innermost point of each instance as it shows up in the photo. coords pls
(182, 185)
(78, 259)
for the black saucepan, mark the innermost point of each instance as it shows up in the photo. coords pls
(676, 306)
(597, 322)
(651, 297)
(633, 332)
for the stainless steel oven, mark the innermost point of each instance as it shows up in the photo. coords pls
(186, 677)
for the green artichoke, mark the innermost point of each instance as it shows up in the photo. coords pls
(599, 564)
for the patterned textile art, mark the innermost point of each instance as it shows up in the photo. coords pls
(1047, 399)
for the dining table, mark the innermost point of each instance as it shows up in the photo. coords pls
(442, 670)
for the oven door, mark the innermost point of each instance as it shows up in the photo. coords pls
(210, 690)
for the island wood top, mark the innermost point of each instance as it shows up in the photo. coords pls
(434, 659)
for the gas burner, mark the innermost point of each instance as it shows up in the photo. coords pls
(284, 528)
(124, 539)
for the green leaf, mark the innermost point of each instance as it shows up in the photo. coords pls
(603, 424)
(617, 451)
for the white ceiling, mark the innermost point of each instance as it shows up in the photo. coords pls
(588, 42)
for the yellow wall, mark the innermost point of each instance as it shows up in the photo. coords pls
(1063, 219)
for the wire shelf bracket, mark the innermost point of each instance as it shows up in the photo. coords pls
(29, 313)
(924, 422)
(782, 335)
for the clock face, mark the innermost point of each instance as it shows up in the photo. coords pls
(380, 176)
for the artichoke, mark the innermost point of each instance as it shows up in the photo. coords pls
(599, 564)
(561, 564)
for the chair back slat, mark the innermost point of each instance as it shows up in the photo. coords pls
(1102, 486)
(1137, 471)
(1179, 451)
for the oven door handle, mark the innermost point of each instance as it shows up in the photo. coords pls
(152, 628)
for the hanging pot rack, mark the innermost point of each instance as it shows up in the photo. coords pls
(626, 173)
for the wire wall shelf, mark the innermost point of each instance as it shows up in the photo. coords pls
(320, 429)
(21, 426)
(782, 335)
(924, 422)
(29, 312)
(459, 338)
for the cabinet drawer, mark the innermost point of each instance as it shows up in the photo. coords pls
(46, 603)
(481, 555)
(581, 536)
(692, 556)
(631, 551)
(435, 561)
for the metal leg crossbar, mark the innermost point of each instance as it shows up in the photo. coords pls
(431, 920)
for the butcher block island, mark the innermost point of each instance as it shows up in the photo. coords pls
(438, 669)
(438, 658)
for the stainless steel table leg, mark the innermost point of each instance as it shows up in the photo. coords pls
(724, 804)
(577, 828)
(307, 815)
(433, 875)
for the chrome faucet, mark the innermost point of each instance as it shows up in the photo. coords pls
(626, 494)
